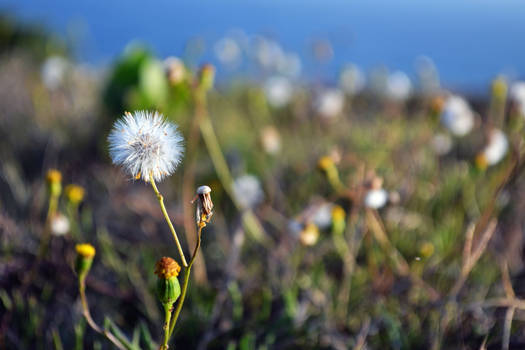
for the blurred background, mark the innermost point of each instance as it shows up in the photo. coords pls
(364, 159)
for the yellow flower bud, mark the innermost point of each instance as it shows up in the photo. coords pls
(338, 219)
(426, 249)
(75, 193)
(499, 88)
(481, 161)
(338, 213)
(85, 254)
(168, 287)
(325, 163)
(309, 235)
(54, 182)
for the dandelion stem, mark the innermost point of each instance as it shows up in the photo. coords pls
(186, 282)
(89, 319)
(167, 318)
(166, 216)
(46, 237)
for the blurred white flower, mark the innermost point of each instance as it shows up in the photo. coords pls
(145, 144)
(441, 144)
(496, 148)
(352, 80)
(457, 116)
(322, 216)
(247, 191)
(53, 71)
(330, 103)
(59, 225)
(270, 140)
(228, 52)
(517, 95)
(398, 86)
(376, 198)
(278, 91)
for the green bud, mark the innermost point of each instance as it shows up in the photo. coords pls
(168, 287)
(168, 290)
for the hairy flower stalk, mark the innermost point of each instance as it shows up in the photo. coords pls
(148, 147)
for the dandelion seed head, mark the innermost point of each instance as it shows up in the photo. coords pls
(144, 143)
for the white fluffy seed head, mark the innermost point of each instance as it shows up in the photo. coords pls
(145, 144)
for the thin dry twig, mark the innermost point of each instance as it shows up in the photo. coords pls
(400, 263)
(363, 333)
(471, 259)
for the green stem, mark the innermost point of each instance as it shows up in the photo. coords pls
(89, 319)
(185, 283)
(167, 318)
(166, 216)
(51, 211)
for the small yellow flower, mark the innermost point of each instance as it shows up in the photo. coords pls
(325, 163)
(499, 88)
(53, 176)
(426, 249)
(85, 254)
(481, 161)
(166, 268)
(54, 182)
(338, 213)
(309, 235)
(75, 193)
(85, 250)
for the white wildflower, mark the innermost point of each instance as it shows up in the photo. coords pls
(517, 95)
(496, 148)
(53, 71)
(398, 86)
(457, 116)
(376, 198)
(247, 191)
(59, 225)
(322, 216)
(330, 103)
(278, 91)
(145, 144)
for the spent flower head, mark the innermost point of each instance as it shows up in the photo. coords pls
(204, 209)
(145, 144)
